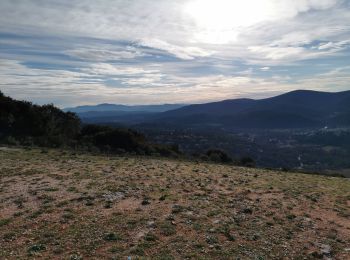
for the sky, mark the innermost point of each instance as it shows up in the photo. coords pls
(76, 52)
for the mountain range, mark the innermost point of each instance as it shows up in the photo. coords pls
(296, 109)
(123, 108)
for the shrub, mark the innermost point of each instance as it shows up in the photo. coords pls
(167, 229)
(111, 237)
(247, 162)
(219, 156)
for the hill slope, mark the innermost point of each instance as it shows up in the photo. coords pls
(71, 206)
(28, 124)
(34, 124)
(296, 109)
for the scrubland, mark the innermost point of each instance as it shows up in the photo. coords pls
(58, 204)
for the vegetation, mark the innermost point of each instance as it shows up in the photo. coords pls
(24, 123)
(219, 156)
(315, 150)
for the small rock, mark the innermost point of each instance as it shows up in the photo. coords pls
(151, 224)
(113, 196)
(326, 249)
(189, 213)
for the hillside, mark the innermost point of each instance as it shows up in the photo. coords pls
(59, 205)
(118, 117)
(25, 123)
(296, 109)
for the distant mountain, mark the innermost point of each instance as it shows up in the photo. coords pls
(296, 109)
(109, 108)
(118, 117)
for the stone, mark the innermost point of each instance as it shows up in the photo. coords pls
(151, 224)
(113, 196)
(326, 249)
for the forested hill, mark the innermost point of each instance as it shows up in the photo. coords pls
(24, 123)
(296, 109)
(43, 125)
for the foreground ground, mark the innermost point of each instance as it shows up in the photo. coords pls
(59, 205)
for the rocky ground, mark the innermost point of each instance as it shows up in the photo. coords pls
(60, 205)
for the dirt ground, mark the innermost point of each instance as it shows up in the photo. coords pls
(61, 205)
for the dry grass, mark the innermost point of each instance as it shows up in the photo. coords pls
(59, 205)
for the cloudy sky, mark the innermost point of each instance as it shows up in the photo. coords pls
(74, 52)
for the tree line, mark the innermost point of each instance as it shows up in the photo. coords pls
(25, 123)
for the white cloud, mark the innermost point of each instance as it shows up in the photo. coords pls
(185, 53)
(336, 46)
(104, 54)
(66, 88)
(168, 26)
(118, 49)
(106, 69)
(338, 78)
